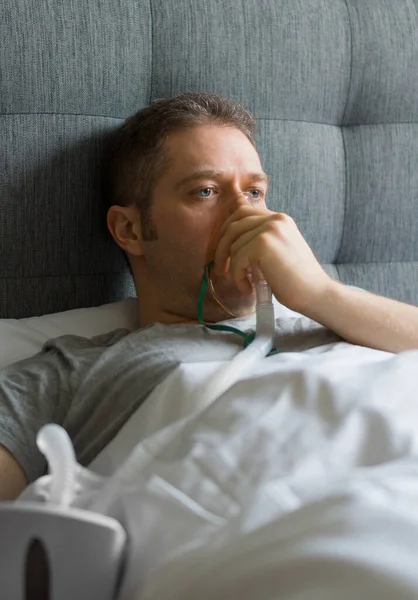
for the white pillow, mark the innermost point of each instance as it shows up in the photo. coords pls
(20, 338)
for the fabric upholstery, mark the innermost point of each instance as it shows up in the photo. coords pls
(332, 83)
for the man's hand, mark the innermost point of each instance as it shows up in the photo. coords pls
(258, 237)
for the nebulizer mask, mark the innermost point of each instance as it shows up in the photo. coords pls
(256, 346)
(264, 305)
(73, 522)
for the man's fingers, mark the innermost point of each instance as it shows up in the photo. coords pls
(241, 213)
(243, 259)
(245, 254)
(245, 239)
(232, 233)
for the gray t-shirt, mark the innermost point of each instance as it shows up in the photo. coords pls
(92, 386)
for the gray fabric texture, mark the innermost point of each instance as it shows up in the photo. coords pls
(91, 387)
(333, 84)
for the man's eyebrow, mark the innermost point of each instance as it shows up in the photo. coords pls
(211, 174)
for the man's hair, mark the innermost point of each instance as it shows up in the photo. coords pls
(136, 157)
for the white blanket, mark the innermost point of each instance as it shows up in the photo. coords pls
(300, 482)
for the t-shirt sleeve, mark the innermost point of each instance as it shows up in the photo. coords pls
(40, 390)
(33, 392)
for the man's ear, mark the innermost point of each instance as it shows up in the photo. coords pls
(124, 224)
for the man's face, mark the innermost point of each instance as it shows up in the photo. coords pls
(207, 170)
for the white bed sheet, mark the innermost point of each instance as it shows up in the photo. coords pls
(300, 482)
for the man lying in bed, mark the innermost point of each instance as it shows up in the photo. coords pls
(176, 177)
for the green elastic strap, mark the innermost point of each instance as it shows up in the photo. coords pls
(248, 338)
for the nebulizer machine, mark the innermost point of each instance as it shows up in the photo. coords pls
(63, 539)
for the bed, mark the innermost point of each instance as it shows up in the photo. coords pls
(333, 86)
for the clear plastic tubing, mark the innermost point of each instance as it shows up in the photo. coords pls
(264, 339)
(243, 362)
(218, 384)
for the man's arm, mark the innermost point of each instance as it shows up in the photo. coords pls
(256, 237)
(366, 319)
(33, 391)
(12, 476)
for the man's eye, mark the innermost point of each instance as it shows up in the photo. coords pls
(205, 192)
(256, 194)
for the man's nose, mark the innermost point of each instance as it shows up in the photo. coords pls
(239, 200)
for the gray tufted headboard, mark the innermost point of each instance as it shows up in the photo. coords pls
(333, 83)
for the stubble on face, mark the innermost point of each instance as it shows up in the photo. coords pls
(181, 229)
